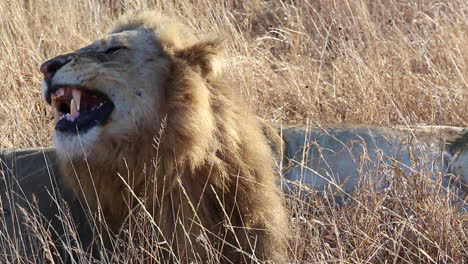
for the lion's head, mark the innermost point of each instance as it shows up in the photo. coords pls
(115, 89)
(112, 98)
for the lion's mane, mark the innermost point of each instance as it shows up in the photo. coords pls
(210, 172)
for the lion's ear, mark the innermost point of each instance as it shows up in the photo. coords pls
(205, 56)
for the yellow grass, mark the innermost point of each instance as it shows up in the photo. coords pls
(294, 61)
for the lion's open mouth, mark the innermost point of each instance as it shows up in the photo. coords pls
(76, 110)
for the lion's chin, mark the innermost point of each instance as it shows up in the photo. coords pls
(78, 145)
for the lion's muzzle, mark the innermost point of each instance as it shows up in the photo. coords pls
(76, 108)
(50, 67)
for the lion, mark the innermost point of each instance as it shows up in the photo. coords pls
(343, 157)
(144, 119)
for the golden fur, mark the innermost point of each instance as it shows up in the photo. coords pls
(209, 173)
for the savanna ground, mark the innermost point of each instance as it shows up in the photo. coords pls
(295, 62)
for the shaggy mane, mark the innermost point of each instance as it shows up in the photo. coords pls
(214, 166)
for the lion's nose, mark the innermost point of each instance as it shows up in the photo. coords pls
(50, 67)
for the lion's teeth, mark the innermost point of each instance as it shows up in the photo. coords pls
(71, 118)
(55, 110)
(54, 103)
(56, 115)
(76, 94)
(96, 107)
(73, 108)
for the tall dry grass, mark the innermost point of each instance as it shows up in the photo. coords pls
(326, 61)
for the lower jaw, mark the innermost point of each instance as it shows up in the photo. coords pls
(85, 121)
(73, 129)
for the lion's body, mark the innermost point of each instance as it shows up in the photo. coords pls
(178, 140)
(343, 157)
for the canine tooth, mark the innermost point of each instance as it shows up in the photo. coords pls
(73, 108)
(55, 110)
(76, 94)
(56, 115)
(54, 103)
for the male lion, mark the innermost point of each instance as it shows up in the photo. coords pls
(207, 176)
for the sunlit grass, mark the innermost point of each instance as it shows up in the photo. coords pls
(369, 62)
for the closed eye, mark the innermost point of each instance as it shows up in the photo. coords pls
(114, 50)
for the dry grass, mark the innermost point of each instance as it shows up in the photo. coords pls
(341, 61)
